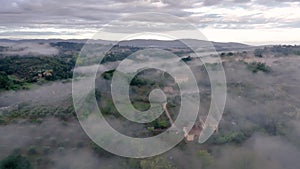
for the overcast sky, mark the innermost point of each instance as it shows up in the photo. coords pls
(248, 21)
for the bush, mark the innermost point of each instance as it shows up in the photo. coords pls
(258, 53)
(100, 151)
(138, 82)
(32, 150)
(258, 66)
(5, 82)
(15, 162)
(206, 159)
(108, 74)
(234, 136)
(230, 54)
(156, 163)
(187, 59)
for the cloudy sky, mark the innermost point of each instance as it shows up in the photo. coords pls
(248, 21)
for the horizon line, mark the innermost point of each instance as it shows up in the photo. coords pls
(250, 43)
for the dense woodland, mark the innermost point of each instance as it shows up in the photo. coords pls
(17, 72)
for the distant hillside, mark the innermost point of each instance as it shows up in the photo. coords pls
(179, 44)
(141, 43)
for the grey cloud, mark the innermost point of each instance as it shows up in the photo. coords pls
(224, 2)
(11, 33)
(242, 22)
(211, 2)
(242, 1)
(273, 3)
(93, 14)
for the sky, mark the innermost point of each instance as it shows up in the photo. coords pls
(246, 21)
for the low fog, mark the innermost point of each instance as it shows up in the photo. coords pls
(61, 145)
(27, 49)
(254, 99)
(65, 145)
(50, 93)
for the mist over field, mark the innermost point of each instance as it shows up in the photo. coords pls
(259, 127)
(34, 49)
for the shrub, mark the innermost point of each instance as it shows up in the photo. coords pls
(156, 163)
(258, 53)
(234, 136)
(15, 162)
(32, 150)
(206, 158)
(258, 66)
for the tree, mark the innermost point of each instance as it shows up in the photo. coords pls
(258, 66)
(244, 161)
(258, 53)
(5, 82)
(206, 159)
(15, 162)
(230, 54)
(156, 163)
(189, 58)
